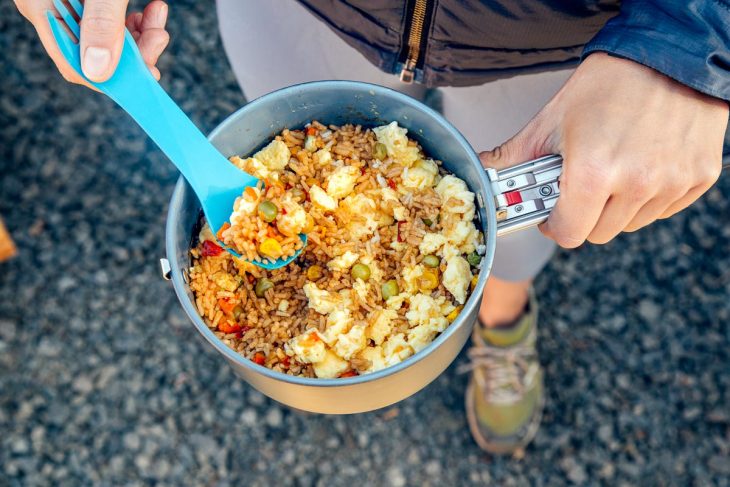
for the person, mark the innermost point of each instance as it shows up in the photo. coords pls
(633, 96)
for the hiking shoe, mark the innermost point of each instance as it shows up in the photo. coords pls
(504, 399)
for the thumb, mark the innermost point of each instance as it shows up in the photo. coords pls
(102, 37)
(529, 143)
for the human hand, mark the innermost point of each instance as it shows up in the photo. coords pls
(637, 146)
(102, 35)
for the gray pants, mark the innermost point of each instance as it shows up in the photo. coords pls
(271, 45)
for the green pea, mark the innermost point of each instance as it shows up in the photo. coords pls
(380, 152)
(263, 285)
(427, 221)
(360, 271)
(389, 289)
(473, 259)
(297, 194)
(431, 261)
(268, 211)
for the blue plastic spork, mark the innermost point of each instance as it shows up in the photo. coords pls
(216, 181)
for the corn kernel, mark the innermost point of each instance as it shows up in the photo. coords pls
(309, 225)
(314, 272)
(270, 248)
(428, 281)
(452, 316)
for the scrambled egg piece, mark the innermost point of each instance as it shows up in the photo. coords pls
(307, 347)
(274, 156)
(330, 367)
(294, 220)
(321, 158)
(320, 300)
(457, 277)
(411, 277)
(463, 235)
(456, 197)
(425, 310)
(338, 322)
(396, 349)
(396, 302)
(431, 243)
(391, 205)
(351, 342)
(343, 262)
(365, 208)
(225, 281)
(322, 199)
(380, 325)
(253, 166)
(420, 336)
(400, 213)
(448, 251)
(342, 181)
(388, 194)
(376, 358)
(421, 176)
(396, 145)
(244, 206)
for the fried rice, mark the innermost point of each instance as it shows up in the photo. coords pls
(392, 253)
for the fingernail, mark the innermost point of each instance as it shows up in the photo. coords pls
(162, 15)
(96, 62)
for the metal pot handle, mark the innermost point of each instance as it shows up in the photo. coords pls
(524, 194)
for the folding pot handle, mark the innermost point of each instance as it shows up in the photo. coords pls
(525, 194)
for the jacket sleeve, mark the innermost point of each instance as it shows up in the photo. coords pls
(687, 40)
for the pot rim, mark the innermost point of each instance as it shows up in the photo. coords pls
(485, 201)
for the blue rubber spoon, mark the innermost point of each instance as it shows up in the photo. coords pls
(216, 181)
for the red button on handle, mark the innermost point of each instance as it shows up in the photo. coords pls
(513, 198)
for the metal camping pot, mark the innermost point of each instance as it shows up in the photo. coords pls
(517, 197)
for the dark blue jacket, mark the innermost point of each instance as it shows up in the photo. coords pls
(469, 42)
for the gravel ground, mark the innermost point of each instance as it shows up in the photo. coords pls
(102, 380)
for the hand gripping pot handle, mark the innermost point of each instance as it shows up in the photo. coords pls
(524, 194)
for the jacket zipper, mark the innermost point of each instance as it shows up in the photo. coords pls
(414, 43)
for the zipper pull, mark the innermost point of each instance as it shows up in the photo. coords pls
(408, 73)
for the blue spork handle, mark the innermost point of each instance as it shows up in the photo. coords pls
(200, 163)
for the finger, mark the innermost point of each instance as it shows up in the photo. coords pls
(647, 214)
(679, 205)
(134, 22)
(584, 190)
(152, 42)
(708, 175)
(527, 144)
(686, 200)
(155, 72)
(617, 213)
(155, 16)
(49, 44)
(102, 37)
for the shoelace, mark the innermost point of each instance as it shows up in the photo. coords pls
(506, 370)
